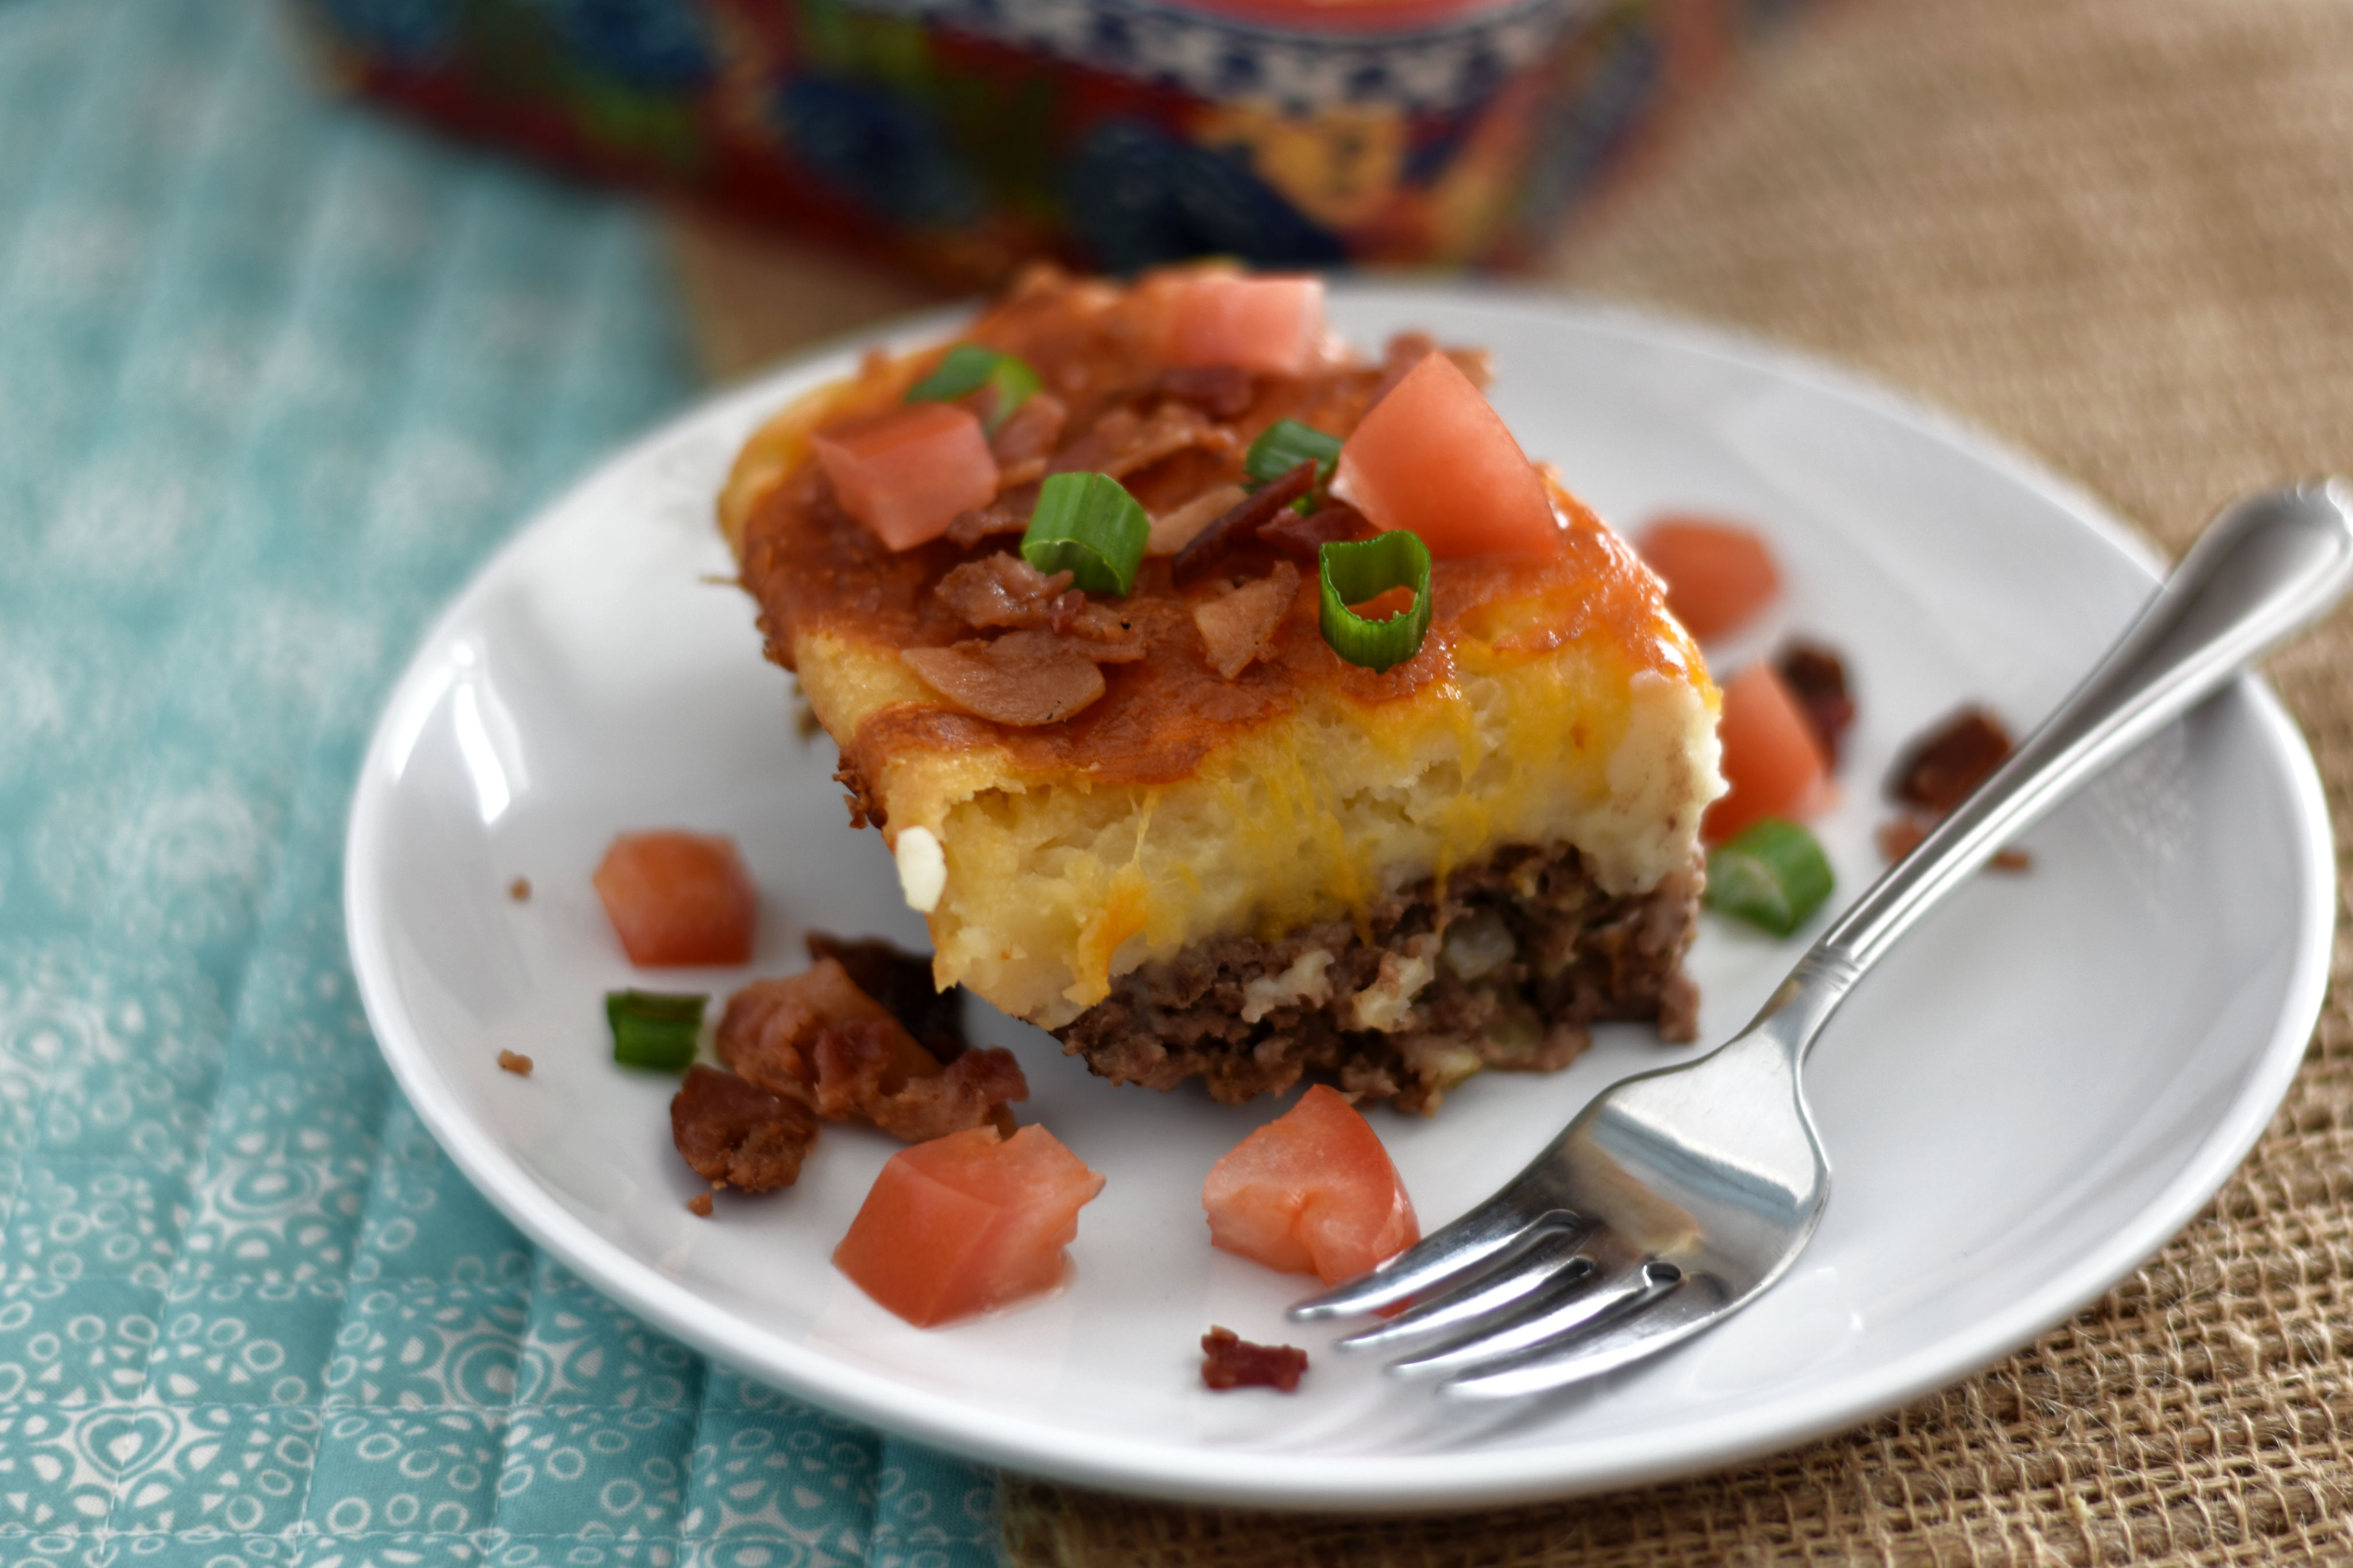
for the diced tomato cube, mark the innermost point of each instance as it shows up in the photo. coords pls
(966, 1223)
(1272, 325)
(906, 474)
(1434, 456)
(678, 897)
(1312, 1192)
(1718, 574)
(1771, 759)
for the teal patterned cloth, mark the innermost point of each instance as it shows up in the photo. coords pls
(274, 377)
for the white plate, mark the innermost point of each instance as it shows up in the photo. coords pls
(2040, 1088)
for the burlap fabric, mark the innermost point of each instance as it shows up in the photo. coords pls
(2120, 233)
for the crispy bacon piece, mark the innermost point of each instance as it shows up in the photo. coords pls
(1235, 625)
(1242, 522)
(1306, 536)
(1032, 431)
(1025, 677)
(1220, 391)
(819, 1040)
(878, 1075)
(1122, 441)
(1899, 835)
(1009, 513)
(1230, 1360)
(1172, 530)
(769, 1025)
(737, 1134)
(1003, 590)
(1816, 677)
(901, 982)
(1944, 765)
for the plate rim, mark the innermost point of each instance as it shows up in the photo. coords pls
(1382, 1484)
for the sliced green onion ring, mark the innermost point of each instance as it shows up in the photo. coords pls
(1283, 446)
(968, 368)
(1773, 874)
(654, 1029)
(1087, 525)
(1357, 570)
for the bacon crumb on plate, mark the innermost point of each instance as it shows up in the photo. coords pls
(1230, 1360)
(738, 1134)
(1937, 771)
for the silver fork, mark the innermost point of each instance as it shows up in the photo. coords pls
(1676, 1196)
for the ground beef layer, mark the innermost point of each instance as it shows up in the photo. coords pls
(1502, 966)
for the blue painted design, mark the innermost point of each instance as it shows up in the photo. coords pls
(879, 151)
(1139, 196)
(656, 45)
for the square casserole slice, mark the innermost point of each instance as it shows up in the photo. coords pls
(1392, 880)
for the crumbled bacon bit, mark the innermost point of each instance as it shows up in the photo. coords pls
(816, 1038)
(1236, 625)
(769, 1025)
(1220, 391)
(1121, 441)
(1816, 677)
(1306, 536)
(1009, 513)
(734, 1132)
(902, 983)
(876, 1073)
(1030, 434)
(1001, 590)
(1173, 530)
(515, 1062)
(1899, 835)
(699, 1205)
(519, 890)
(1241, 523)
(1023, 678)
(1944, 765)
(1230, 1360)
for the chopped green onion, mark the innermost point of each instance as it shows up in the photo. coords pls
(968, 368)
(653, 1028)
(1283, 446)
(1773, 874)
(1355, 570)
(1087, 525)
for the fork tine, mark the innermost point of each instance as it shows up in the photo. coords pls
(1462, 1245)
(1600, 1296)
(1523, 1271)
(1667, 1314)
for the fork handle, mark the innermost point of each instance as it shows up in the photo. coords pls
(2269, 566)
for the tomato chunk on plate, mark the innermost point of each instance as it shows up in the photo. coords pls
(1272, 325)
(966, 1223)
(1312, 1192)
(1771, 759)
(678, 897)
(906, 474)
(1434, 456)
(1718, 575)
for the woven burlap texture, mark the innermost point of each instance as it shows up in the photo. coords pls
(2121, 236)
